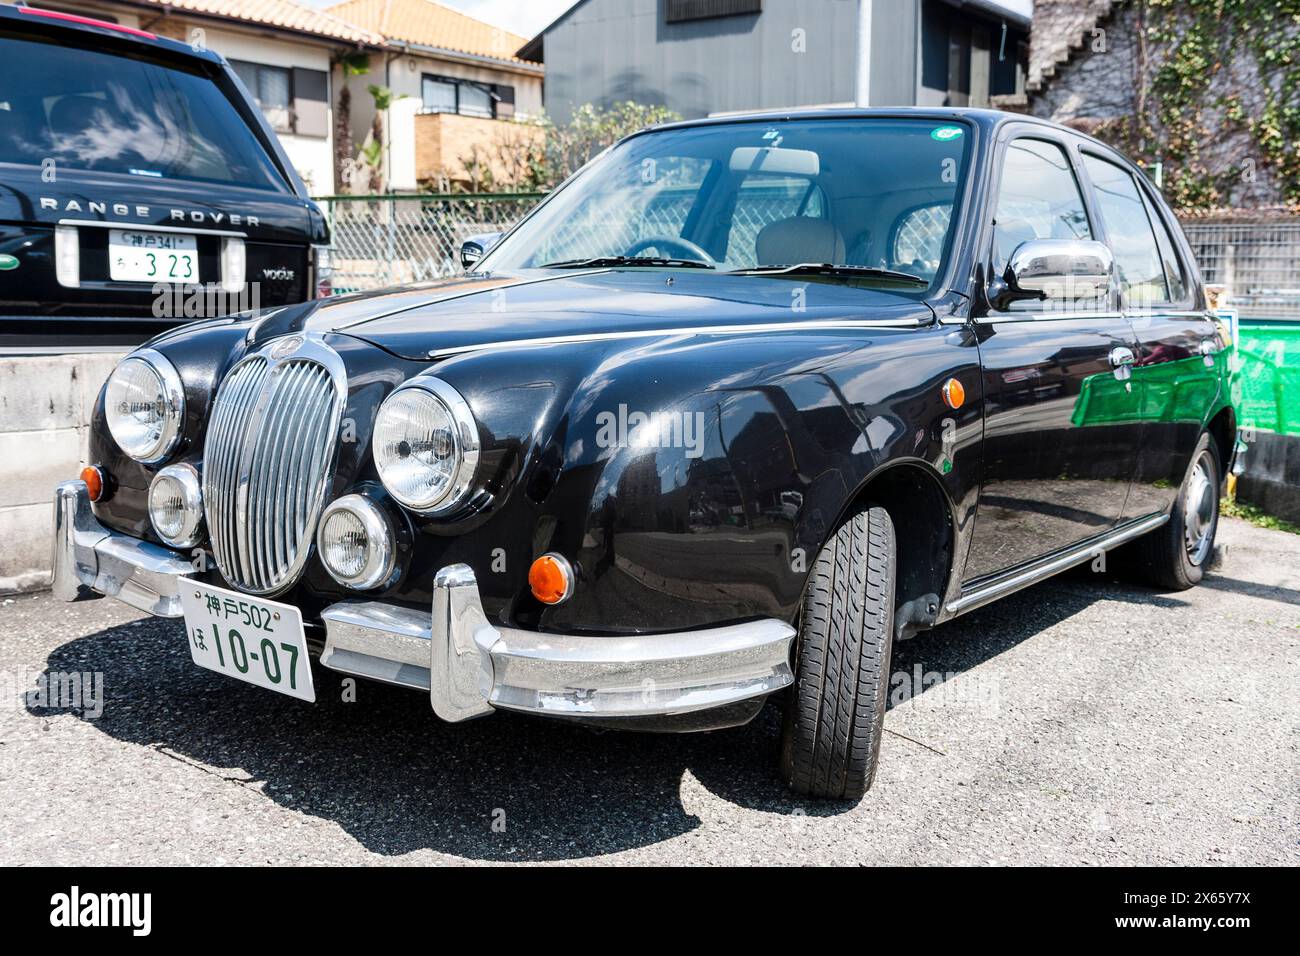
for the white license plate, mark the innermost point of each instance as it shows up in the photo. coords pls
(152, 257)
(258, 641)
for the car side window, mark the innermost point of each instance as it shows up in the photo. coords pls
(1173, 266)
(918, 239)
(1038, 198)
(1128, 227)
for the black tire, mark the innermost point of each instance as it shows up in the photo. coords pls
(834, 719)
(1164, 557)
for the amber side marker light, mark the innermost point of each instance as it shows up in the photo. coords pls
(94, 479)
(551, 579)
(954, 393)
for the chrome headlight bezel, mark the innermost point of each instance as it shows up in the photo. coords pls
(187, 477)
(380, 566)
(465, 437)
(173, 396)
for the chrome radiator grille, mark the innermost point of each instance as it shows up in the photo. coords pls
(267, 462)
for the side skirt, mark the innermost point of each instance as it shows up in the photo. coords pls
(981, 593)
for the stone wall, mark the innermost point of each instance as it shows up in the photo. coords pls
(1098, 77)
(45, 406)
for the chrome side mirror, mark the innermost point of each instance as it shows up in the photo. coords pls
(1068, 270)
(476, 247)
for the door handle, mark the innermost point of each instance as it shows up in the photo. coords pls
(1121, 356)
(1209, 348)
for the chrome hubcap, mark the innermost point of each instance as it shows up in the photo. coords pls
(1200, 502)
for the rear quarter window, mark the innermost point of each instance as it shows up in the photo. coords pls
(88, 110)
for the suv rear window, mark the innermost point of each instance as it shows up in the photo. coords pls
(87, 110)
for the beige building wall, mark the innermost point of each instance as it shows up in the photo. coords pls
(403, 73)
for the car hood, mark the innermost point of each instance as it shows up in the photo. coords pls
(477, 311)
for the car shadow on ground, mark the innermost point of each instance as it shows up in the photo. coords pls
(398, 780)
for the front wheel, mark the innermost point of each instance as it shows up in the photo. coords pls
(830, 742)
(1174, 556)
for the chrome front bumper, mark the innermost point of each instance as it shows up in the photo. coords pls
(468, 665)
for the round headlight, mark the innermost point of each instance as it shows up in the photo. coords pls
(176, 505)
(144, 404)
(355, 541)
(426, 445)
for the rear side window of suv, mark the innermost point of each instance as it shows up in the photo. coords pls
(86, 110)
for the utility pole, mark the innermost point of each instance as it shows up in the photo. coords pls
(862, 79)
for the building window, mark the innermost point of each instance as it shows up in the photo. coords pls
(444, 94)
(292, 99)
(679, 11)
(271, 88)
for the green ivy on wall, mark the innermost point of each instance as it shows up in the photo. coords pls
(1190, 44)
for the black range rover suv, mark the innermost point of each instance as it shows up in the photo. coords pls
(133, 165)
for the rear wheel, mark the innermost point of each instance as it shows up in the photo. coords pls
(830, 742)
(1174, 556)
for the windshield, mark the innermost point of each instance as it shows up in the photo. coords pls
(85, 110)
(876, 194)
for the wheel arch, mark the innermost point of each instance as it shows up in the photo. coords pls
(1223, 429)
(915, 499)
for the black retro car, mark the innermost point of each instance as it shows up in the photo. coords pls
(135, 172)
(741, 404)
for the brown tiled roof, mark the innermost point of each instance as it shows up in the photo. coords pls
(1060, 29)
(274, 13)
(431, 24)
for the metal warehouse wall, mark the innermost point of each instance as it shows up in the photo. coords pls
(605, 51)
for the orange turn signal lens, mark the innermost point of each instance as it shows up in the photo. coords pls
(954, 393)
(551, 579)
(94, 480)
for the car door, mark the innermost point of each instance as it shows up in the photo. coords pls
(1061, 428)
(1175, 370)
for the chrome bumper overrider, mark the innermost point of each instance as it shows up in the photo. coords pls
(89, 556)
(468, 665)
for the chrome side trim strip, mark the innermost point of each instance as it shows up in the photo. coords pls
(1032, 575)
(144, 227)
(846, 324)
(999, 317)
(470, 666)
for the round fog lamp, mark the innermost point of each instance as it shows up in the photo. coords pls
(176, 505)
(355, 541)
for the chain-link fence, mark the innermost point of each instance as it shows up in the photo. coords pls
(1258, 261)
(393, 240)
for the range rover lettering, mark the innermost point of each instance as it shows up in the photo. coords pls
(738, 406)
(140, 186)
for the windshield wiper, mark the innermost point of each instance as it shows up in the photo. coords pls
(598, 261)
(829, 269)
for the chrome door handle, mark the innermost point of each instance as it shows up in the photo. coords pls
(1209, 347)
(1121, 356)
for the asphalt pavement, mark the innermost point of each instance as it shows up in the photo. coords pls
(1084, 721)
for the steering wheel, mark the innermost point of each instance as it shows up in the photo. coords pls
(680, 248)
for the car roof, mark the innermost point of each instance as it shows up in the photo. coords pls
(988, 118)
(56, 23)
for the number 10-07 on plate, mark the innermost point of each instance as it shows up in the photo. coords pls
(261, 642)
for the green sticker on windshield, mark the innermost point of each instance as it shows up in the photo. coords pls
(945, 133)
